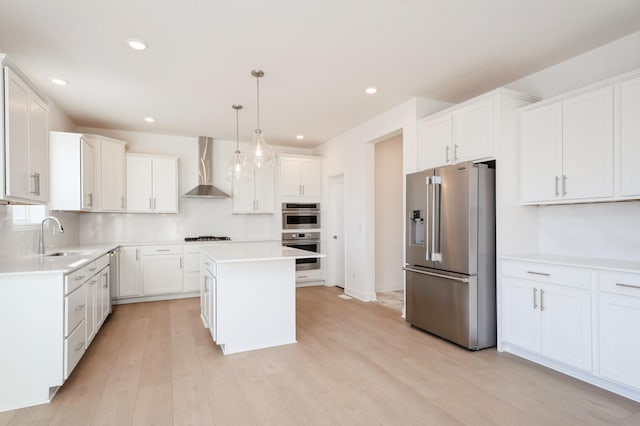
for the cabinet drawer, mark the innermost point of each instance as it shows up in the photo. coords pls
(74, 309)
(167, 249)
(77, 278)
(74, 347)
(625, 283)
(541, 272)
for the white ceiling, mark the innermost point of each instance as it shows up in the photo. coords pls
(318, 57)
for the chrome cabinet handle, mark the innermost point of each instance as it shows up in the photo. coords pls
(302, 189)
(92, 282)
(557, 181)
(80, 307)
(455, 152)
(137, 254)
(180, 262)
(150, 203)
(81, 277)
(122, 202)
(163, 249)
(79, 346)
(92, 269)
(535, 298)
(544, 274)
(154, 203)
(541, 300)
(564, 185)
(627, 285)
(447, 153)
(36, 183)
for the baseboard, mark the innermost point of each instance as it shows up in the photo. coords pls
(127, 300)
(365, 297)
(386, 289)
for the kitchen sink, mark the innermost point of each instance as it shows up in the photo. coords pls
(69, 253)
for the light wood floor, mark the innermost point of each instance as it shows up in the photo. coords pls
(354, 363)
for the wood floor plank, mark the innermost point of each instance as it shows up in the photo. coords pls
(355, 363)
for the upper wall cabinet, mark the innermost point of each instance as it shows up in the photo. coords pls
(87, 173)
(300, 176)
(152, 184)
(254, 196)
(464, 132)
(24, 140)
(568, 145)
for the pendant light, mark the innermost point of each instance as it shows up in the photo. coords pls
(238, 170)
(261, 155)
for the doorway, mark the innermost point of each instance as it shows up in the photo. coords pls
(389, 277)
(335, 240)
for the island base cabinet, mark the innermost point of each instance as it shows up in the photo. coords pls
(254, 305)
(619, 339)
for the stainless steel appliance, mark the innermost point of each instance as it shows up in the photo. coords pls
(450, 253)
(300, 215)
(303, 241)
(205, 188)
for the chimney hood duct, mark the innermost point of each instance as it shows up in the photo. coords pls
(205, 188)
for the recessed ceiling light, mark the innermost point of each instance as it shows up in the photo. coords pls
(150, 119)
(136, 44)
(370, 90)
(299, 137)
(59, 81)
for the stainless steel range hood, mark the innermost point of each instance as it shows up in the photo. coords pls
(205, 188)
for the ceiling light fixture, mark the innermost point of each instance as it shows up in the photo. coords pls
(238, 170)
(299, 137)
(370, 90)
(136, 44)
(150, 119)
(59, 81)
(261, 155)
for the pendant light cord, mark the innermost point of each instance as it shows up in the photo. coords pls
(237, 132)
(258, 96)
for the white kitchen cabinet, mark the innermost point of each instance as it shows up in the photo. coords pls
(256, 194)
(300, 176)
(567, 149)
(472, 133)
(129, 282)
(191, 269)
(545, 314)
(161, 270)
(110, 175)
(619, 318)
(93, 307)
(435, 138)
(25, 140)
(630, 138)
(72, 165)
(152, 184)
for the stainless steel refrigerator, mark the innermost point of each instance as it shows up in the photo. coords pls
(450, 253)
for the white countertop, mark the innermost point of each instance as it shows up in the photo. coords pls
(576, 261)
(43, 264)
(250, 252)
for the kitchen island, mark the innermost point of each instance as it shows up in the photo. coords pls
(248, 294)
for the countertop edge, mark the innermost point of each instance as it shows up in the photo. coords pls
(578, 262)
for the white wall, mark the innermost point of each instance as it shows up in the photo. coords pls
(352, 155)
(608, 230)
(388, 215)
(196, 216)
(22, 239)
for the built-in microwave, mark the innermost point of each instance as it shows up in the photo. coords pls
(300, 215)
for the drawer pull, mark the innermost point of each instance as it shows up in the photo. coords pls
(544, 274)
(535, 299)
(163, 250)
(628, 285)
(79, 346)
(92, 269)
(81, 277)
(302, 276)
(92, 282)
(541, 300)
(80, 307)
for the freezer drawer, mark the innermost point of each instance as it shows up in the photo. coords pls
(447, 305)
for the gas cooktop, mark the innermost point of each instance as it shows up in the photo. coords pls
(207, 238)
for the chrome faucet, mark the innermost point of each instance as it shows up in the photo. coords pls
(60, 229)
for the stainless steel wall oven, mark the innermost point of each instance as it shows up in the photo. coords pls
(303, 241)
(300, 215)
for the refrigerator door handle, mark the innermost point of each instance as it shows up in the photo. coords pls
(436, 254)
(434, 274)
(427, 225)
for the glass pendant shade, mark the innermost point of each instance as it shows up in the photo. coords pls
(238, 170)
(262, 156)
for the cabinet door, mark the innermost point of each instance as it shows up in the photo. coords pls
(630, 138)
(18, 182)
(39, 147)
(87, 175)
(521, 320)
(112, 176)
(161, 274)
(243, 195)
(92, 307)
(541, 154)
(473, 132)
(435, 142)
(165, 185)
(105, 296)
(290, 176)
(205, 298)
(587, 145)
(619, 342)
(566, 325)
(129, 282)
(310, 178)
(264, 191)
(139, 184)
